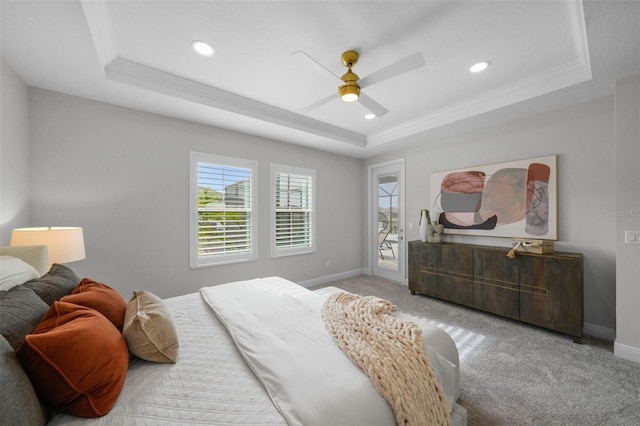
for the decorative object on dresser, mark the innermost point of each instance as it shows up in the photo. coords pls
(429, 232)
(423, 224)
(435, 233)
(533, 246)
(540, 289)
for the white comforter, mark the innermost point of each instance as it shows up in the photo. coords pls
(285, 343)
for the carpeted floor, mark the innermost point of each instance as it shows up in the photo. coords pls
(516, 374)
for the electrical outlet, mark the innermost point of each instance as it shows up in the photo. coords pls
(632, 237)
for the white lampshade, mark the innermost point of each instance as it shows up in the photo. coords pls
(66, 244)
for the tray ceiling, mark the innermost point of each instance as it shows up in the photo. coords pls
(543, 54)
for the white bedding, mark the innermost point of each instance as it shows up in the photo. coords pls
(285, 342)
(210, 384)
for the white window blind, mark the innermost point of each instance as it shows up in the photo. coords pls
(223, 202)
(292, 211)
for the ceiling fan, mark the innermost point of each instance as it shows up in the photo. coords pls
(351, 86)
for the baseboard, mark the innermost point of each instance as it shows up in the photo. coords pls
(626, 352)
(598, 331)
(334, 277)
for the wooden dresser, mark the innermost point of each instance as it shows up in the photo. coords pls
(539, 289)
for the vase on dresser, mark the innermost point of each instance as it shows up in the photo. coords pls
(423, 225)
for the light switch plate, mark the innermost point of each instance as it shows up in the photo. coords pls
(632, 237)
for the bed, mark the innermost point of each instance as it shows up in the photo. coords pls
(215, 379)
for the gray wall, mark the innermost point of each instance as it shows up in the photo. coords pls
(123, 175)
(14, 153)
(583, 138)
(627, 217)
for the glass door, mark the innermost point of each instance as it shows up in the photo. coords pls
(387, 220)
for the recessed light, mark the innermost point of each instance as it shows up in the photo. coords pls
(480, 66)
(203, 48)
(370, 116)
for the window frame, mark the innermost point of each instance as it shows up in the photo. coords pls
(195, 260)
(276, 170)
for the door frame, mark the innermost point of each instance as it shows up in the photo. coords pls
(373, 170)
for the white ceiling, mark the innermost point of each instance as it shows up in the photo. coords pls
(544, 55)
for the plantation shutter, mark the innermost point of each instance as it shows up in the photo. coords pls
(294, 213)
(225, 219)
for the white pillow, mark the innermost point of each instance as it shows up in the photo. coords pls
(14, 271)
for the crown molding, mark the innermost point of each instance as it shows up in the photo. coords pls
(99, 22)
(575, 14)
(540, 84)
(142, 76)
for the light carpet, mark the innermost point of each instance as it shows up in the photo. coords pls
(515, 374)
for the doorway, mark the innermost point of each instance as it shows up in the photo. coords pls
(387, 220)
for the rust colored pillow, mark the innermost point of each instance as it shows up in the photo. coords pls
(100, 297)
(76, 360)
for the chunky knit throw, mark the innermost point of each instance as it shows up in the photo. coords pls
(390, 352)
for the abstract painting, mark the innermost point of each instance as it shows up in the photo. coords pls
(513, 199)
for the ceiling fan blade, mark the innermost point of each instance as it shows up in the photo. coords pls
(372, 105)
(319, 103)
(407, 64)
(313, 63)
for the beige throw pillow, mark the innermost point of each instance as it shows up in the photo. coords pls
(149, 328)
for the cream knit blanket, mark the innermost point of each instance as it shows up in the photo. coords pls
(390, 352)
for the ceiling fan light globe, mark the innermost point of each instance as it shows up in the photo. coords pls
(349, 97)
(349, 93)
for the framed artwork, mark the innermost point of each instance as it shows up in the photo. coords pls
(512, 199)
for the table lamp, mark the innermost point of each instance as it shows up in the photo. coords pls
(65, 244)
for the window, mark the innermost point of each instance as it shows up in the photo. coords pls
(292, 211)
(223, 200)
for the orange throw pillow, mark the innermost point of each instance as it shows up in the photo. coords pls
(100, 297)
(76, 360)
